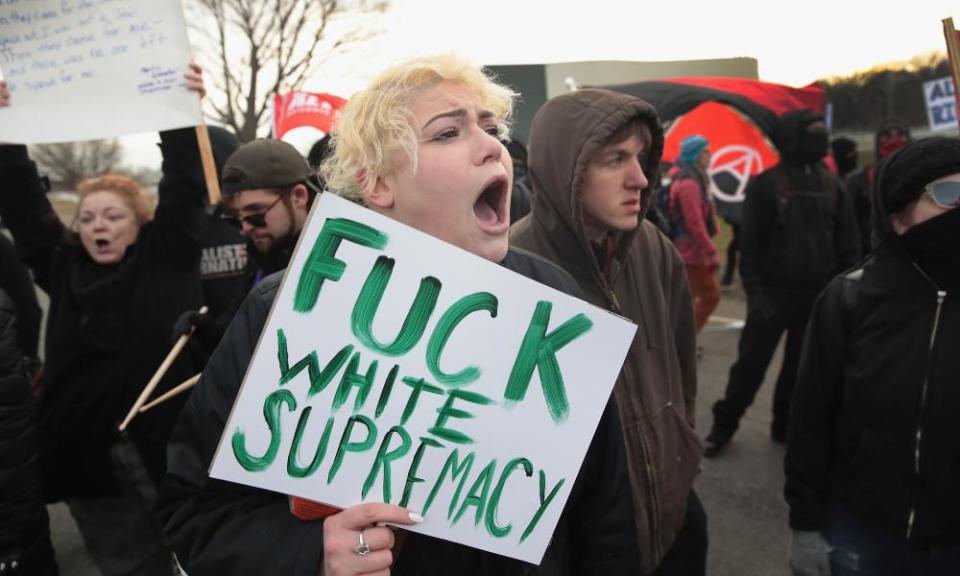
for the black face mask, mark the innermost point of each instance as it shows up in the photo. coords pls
(812, 144)
(934, 247)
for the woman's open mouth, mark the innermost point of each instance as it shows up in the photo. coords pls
(491, 206)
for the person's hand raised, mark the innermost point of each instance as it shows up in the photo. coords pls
(354, 542)
(4, 94)
(194, 79)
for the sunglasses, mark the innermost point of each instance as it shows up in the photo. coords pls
(945, 193)
(256, 219)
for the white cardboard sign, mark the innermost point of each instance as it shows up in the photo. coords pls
(397, 368)
(88, 69)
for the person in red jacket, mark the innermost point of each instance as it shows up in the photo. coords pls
(694, 218)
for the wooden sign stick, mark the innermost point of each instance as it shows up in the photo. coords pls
(209, 166)
(176, 391)
(158, 375)
(953, 56)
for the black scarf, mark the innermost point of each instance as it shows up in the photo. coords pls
(935, 246)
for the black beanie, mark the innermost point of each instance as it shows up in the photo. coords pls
(902, 176)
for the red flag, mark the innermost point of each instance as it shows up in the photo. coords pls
(299, 108)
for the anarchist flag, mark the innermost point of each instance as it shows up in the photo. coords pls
(737, 116)
(298, 108)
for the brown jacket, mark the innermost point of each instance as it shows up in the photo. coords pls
(645, 282)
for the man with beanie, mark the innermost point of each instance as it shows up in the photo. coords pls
(872, 471)
(799, 230)
(692, 213)
(594, 162)
(892, 135)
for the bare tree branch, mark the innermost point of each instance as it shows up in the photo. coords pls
(71, 162)
(254, 49)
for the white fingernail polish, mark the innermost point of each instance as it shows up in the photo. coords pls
(416, 518)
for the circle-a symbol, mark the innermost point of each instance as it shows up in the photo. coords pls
(730, 169)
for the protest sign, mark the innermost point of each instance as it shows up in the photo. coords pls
(941, 103)
(86, 69)
(397, 368)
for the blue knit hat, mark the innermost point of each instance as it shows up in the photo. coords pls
(692, 146)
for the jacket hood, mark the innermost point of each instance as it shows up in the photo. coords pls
(789, 127)
(565, 134)
(900, 178)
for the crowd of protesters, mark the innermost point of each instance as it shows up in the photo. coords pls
(861, 273)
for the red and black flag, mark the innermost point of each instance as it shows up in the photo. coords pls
(736, 115)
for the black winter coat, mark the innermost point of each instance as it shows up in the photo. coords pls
(25, 546)
(799, 228)
(109, 327)
(874, 379)
(218, 527)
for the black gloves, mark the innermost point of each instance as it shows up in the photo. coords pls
(190, 321)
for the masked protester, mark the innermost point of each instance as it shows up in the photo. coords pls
(892, 135)
(799, 230)
(844, 152)
(871, 468)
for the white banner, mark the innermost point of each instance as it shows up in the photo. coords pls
(941, 103)
(88, 69)
(397, 368)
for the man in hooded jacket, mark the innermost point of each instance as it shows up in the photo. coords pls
(799, 230)
(872, 465)
(594, 162)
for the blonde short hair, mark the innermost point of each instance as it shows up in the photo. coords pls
(123, 186)
(376, 124)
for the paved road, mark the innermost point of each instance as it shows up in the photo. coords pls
(741, 490)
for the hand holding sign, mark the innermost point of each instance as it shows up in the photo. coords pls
(355, 542)
(194, 78)
(4, 94)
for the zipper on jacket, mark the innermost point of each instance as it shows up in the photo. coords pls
(941, 296)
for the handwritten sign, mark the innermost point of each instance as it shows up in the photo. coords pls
(86, 69)
(941, 103)
(397, 368)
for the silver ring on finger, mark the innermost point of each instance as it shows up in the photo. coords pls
(362, 548)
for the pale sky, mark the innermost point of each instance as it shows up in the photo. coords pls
(794, 44)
